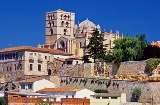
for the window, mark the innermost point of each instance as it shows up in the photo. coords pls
(67, 24)
(20, 66)
(72, 96)
(45, 57)
(53, 23)
(0, 56)
(97, 97)
(62, 23)
(6, 56)
(22, 86)
(31, 68)
(105, 97)
(114, 97)
(15, 67)
(39, 67)
(51, 30)
(69, 62)
(29, 86)
(66, 96)
(14, 55)
(10, 55)
(7, 68)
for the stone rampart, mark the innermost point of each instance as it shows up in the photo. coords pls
(132, 68)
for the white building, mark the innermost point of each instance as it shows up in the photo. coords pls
(34, 84)
(67, 92)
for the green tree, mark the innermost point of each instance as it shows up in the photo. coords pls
(126, 49)
(152, 64)
(96, 49)
(136, 94)
(2, 101)
(143, 44)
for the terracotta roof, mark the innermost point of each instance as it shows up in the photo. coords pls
(31, 80)
(30, 48)
(156, 43)
(60, 59)
(15, 90)
(75, 56)
(59, 90)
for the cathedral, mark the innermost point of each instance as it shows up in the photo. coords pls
(63, 34)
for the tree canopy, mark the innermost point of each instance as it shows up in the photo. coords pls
(129, 49)
(96, 48)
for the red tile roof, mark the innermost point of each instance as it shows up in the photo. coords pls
(156, 43)
(31, 80)
(59, 90)
(30, 48)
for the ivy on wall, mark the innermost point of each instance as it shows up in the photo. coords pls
(152, 64)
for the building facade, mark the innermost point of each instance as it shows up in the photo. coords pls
(62, 33)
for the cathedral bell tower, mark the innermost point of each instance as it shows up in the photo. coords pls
(59, 24)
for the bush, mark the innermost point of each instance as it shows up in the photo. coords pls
(152, 64)
(136, 94)
(101, 91)
(2, 101)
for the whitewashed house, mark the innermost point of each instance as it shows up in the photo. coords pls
(35, 84)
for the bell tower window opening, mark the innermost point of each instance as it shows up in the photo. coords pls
(65, 31)
(53, 23)
(67, 24)
(51, 30)
(49, 24)
(61, 16)
(65, 17)
(48, 17)
(62, 23)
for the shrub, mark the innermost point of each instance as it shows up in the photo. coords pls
(152, 64)
(136, 94)
(101, 91)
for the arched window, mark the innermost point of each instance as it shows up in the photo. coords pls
(14, 55)
(10, 68)
(62, 44)
(53, 16)
(65, 17)
(67, 24)
(6, 56)
(65, 31)
(49, 24)
(80, 44)
(68, 17)
(51, 30)
(48, 17)
(0, 56)
(61, 16)
(62, 23)
(53, 23)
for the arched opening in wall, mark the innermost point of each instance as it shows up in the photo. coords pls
(53, 23)
(65, 31)
(51, 30)
(49, 72)
(48, 17)
(80, 44)
(62, 44)
(67, 24)
(62, 23)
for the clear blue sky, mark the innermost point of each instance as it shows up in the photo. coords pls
(22, 22)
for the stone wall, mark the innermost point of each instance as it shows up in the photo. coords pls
(149, 89)
(132, 68)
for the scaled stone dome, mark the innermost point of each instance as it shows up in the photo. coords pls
(88, 24)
